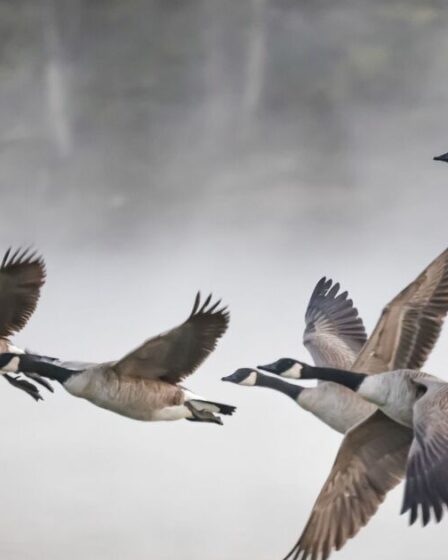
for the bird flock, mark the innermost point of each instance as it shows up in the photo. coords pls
(393, 416)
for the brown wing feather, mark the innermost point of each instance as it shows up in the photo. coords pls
(175, 354)
(22, 274)
(363, 472)
(370, 462)
(410, 324)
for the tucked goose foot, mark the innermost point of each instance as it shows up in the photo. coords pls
(38, 379)
(202, 415)
(26, 386)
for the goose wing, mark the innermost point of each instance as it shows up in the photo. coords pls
(175, 354)
(370, 462)
(22, 274)
(334, 333)
(427, 469)
(410, 324)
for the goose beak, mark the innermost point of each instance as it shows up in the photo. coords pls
(227, 378)
(443, 157)
(271, 368)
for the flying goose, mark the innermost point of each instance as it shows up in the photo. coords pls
(443, 157)
(403, 338)
(22, 274)
(416, 404)
(334, 334)
(144, 384)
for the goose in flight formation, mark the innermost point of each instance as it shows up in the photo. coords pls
(334, 334)
(417, 404)
(403, 338)
(443, 157)
(22, 274)
(144, 384)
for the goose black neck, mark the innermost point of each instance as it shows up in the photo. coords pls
(278, 384)
(30, 363)
(344, 377)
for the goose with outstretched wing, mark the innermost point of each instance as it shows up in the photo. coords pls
(22, 275)
(408, 434)
(402, 339)
(144, 384)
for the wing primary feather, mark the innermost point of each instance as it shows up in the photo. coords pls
(15, 255)
(5, 257)
(197, 299)
(204, 305)
(214, 306)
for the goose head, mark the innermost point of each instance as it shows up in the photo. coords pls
(243, 376)
(285, 367)
(10, 362)
(443, 157)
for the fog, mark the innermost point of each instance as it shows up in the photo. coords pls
(149, 149)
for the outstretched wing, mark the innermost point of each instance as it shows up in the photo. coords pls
(427, 470)
(334, 333)
(370, 462)
(372, 457)
(22, 274)
(175, 354)
(410, 324)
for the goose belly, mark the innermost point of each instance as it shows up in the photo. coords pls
(171, 413)
(338, 407)
(400, 403)
(140, 399)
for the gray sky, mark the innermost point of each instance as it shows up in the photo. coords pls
(248, 147)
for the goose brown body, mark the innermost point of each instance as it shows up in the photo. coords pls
(135, 397)
(144, 384)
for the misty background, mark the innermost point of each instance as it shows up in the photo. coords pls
(152, 148)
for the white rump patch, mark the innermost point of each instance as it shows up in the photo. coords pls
(199, 403)
(200, 406)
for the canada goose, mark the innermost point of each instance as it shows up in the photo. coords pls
(403, 338)
(334, 334)
(252, 377)
(22, 274)
(443, 157)
(417, 404)
(144, 384)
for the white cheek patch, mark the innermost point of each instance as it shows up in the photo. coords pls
(294, 372)
(251, 379)
(12, 366)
